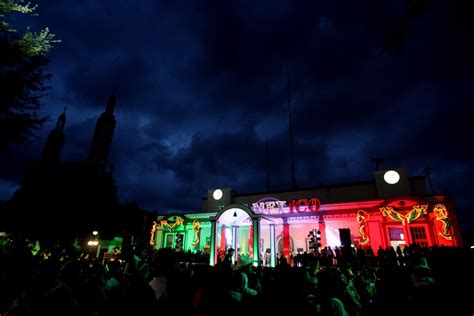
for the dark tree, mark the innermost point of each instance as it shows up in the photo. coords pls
(59, 201)
(71, 199)
(23, 76)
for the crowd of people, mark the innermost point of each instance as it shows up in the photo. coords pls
(61, 281)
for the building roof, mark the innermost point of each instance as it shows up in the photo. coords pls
(364, 189)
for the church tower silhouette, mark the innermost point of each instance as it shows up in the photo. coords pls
(54, 144)
(103, 134)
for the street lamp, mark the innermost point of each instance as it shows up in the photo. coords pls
(94, 242)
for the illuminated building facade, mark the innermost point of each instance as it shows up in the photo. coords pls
(391, 210)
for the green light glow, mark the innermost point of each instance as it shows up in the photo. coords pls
(256, 250)
(212, 253)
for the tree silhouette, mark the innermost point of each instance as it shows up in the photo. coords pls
(62, 200)
(23, 77)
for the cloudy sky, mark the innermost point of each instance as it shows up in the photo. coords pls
(201, 86)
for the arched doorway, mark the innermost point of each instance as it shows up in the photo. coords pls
(280, 246)
(236, 226)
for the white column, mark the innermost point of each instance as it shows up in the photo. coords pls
(256, 241)
(272, 246)
(212, 252)
(235, 242)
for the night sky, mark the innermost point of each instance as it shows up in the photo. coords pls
(201, 86)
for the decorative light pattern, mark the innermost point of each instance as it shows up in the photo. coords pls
(413, 215)
(152, 233)
(416, 212)
(441, 214)
(197, 230)
(392, 214)
(273, 206)
(164, 223)
(362, 217)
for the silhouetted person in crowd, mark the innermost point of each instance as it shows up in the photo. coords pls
(229, 257)
(244, 268)
(422, 291)
(163, 266)
(64, 298)
(332, 292)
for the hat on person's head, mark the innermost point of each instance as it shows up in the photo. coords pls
(421, 277)
(243, 262)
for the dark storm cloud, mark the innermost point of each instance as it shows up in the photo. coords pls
(129, 76)
(201, 86)
(14, 166)
(211, 162)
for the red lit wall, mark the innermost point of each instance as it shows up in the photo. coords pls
(415, 218)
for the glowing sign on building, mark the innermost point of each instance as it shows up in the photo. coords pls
(178, 221)
(441, 214)
(411, 216)
(273, 206)
(197, 231)
(152, 233)
(362, 217)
